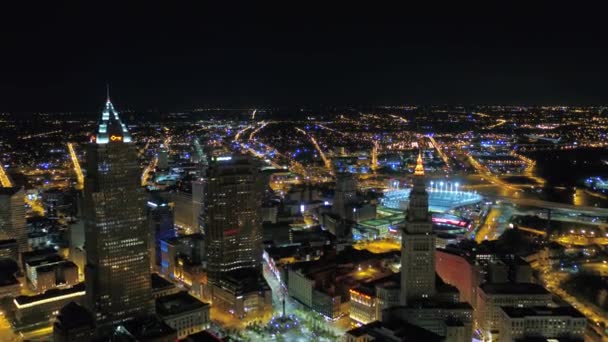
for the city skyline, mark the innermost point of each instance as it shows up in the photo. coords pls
(286, 172)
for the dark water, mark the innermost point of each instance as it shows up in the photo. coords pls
(570, 167)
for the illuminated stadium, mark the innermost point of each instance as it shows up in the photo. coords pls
(442, 197)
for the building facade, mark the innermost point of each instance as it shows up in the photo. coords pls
(233, 227)
(117, 271)
(346, 192)
(491, 296)
(418, 244)
(12, 223)
(184, 313)
(541, 321)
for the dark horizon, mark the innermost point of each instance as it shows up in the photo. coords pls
(59, 57)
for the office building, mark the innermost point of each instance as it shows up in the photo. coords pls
(117, 271)
(160, 223)
(41, 309)
(233, 227)
(242, 292)
(564, 322)
(163, 158)
(368, 300)
(73, 324)
(184, 313)
(418, 244)
(49, 272)
(491, 296)
(13, 227)
(345, 193)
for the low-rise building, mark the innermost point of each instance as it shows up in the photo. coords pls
(184, 313)
(491, 296)
(74, 323)
(41, 309)
(9, 284)
(242, 292)
(162, 287)
(369, 299)
(50, 272)
(325, 285)
(541, 321)
(149, 329)
(395, 331)
(453, 321)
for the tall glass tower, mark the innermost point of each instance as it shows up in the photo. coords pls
(13, 227)
(418, 244)
(232, 222)
(117, 271)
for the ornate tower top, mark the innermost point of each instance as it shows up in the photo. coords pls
(111, 129)
(419, 171)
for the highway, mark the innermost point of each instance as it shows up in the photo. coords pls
(399, 119)
(488, 230)
(499, 122)
(374, 165)
(437, 147)
(6, 331)
(4, 180)
(238, 134)
(553, 281)
(255, 131)
(35, 205)
(326, 161)
(77, 169)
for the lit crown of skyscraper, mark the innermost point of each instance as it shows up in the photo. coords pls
(111, 129)
(419, 171)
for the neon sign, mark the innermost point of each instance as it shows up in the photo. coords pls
(115, 138)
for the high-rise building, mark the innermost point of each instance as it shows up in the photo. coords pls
(117, 271)
(418, 244)
(233, 227)
(163, 158)
(160, 223)
(13, 228)
(198, 200)
(346, 192)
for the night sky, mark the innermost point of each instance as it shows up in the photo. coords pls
(58, 57)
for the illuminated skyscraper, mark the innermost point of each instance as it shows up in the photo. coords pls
(346, 192)
(418, 244)
(117, 271)
(232, 222)
(13, 228)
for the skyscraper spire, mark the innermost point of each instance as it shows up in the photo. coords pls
(418, 243)
(419, 171)
(111, 128)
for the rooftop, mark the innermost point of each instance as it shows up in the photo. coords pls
(74, 315)
(159, 282)
(244, 281)
(177, 303)
(203, 336)
(402, 330)
(536, 311)
(49, 259)
(514, 289)
(50, 295)
(9, 191)
(143, 330)
(8, 269)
